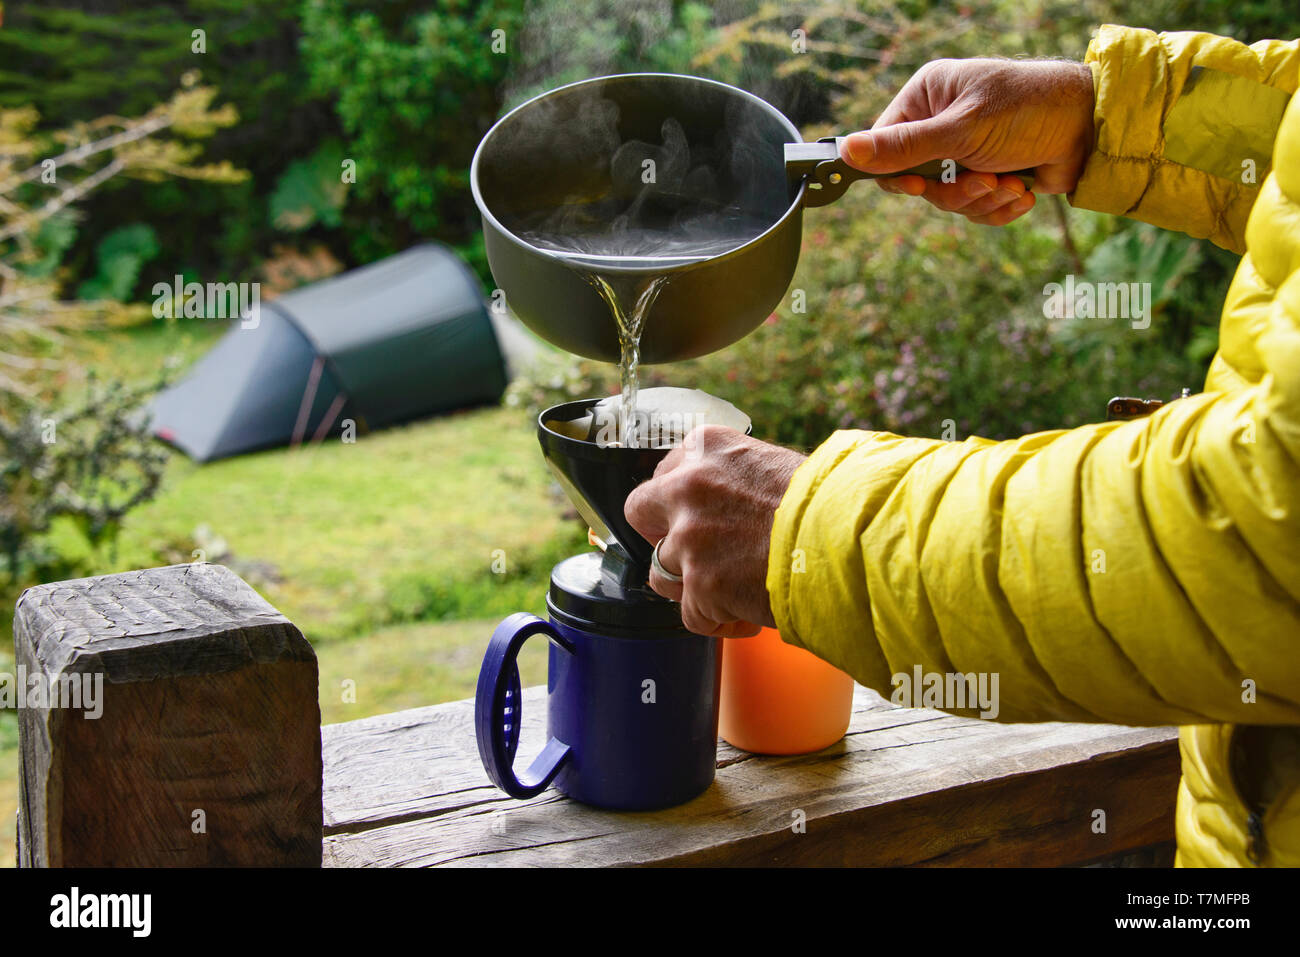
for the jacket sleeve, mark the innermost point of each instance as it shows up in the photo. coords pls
(1184, 126)
(1133, 572)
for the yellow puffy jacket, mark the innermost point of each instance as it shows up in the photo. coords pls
(1143, 572)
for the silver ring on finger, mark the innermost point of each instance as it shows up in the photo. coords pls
(658, 566)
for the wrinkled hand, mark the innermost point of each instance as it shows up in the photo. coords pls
(987, 115)
(712, 501)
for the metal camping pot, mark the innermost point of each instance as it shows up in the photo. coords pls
(559, 151)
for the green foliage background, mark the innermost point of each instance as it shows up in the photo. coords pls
(914, 318)
(404, 88)
(906, 319)
(77, 60)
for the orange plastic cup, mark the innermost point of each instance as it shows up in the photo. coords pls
(779, 699)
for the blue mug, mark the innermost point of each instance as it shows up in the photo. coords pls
(632, 706)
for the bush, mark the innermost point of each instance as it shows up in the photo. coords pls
(86, 466)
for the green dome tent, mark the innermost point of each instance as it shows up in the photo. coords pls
(400, 338)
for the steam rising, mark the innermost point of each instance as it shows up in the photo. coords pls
(625, 199)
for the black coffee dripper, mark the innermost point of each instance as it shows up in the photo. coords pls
(598, 479)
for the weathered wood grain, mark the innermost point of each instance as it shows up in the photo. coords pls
(208, 748)
(904, 787)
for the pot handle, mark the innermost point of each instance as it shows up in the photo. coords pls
(498, 710)
(829, 176)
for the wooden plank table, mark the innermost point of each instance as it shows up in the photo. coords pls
(904, 787)
(209, 751)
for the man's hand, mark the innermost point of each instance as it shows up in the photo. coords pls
(987, 115)
(712, 501)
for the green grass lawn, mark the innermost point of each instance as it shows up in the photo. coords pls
(381, 551)
(408, 666)
(401, 526)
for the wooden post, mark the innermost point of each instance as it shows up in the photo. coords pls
(206, 748)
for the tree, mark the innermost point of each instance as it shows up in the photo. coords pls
(95, 461)
(73, 59)
(414, 85)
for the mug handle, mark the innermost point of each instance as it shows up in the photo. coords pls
(498, 710)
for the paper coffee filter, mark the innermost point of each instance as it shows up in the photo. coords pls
(665, 416)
